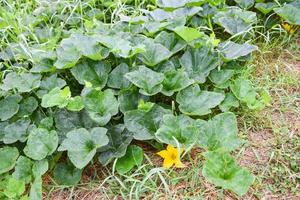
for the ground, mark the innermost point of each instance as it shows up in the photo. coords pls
(272, 152)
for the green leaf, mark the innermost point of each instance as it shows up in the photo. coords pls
(220, 77)
(56, 97)
(133, 157)
(229, 102)
(180, 128)
(232, 51)
(116, 77)
(245, 4)
(40, 167)
(169, 40)
(46, 123)
(2, 126)
(8, 157)
(220, 133)
(193, 101)
(150, 84)
(235, 20)
(93, 72)
(243, 90)
(75, 104)
(73, 48)
(14, 188)
(24, 82)
(49, 83)
(27, 106)
(36, 189)
(199, 62)
(175, 81)
(66, 174)
(41, 143)
(266, 8)
(89, 47)
(188, 34)
(120, 44)
(144, 124)
(289, 13)
(221, 170)
(23, 169)
(16, 131)
(9, 106)
(66, 121)
(154, 53)
(119, 139)
(170, 3)
(82, 145)
(130, 98)
(101, 105)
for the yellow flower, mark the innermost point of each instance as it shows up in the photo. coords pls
(289, 28)
(171, 157)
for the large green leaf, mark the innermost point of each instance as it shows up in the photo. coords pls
(36, 189)
(66, 121)
(73, 48)
(175, 81)
(95, 73)
(289, 13)
(170, 3)
(199, 62)
(101, 105)
(75, 104)
(23, 169)
(40, 167)
(56, 97)
(8, 157)
(82, 145)
(229, 102)
(176, 4)
(9, 106)
(235, 20)
(49, 83)
(41, 143)
(221, 170)
(231, 50)
(244, 91)
(245, 4)
(66, 174)
(188, 34)
(181, 129)
(149, 81)
(16, 131)
(14, 188)
(2, 126)
(170, 16)
(27, 106)
(220, 133)
(193, 101)
(221, 77)
(130, 98)
(143, 124)
(119, 139)
(266, 8)
(169, 40)
(120, 44)
(116, 77)
(155, 52)
(89, 47)
(24, 82)
(133, 157)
